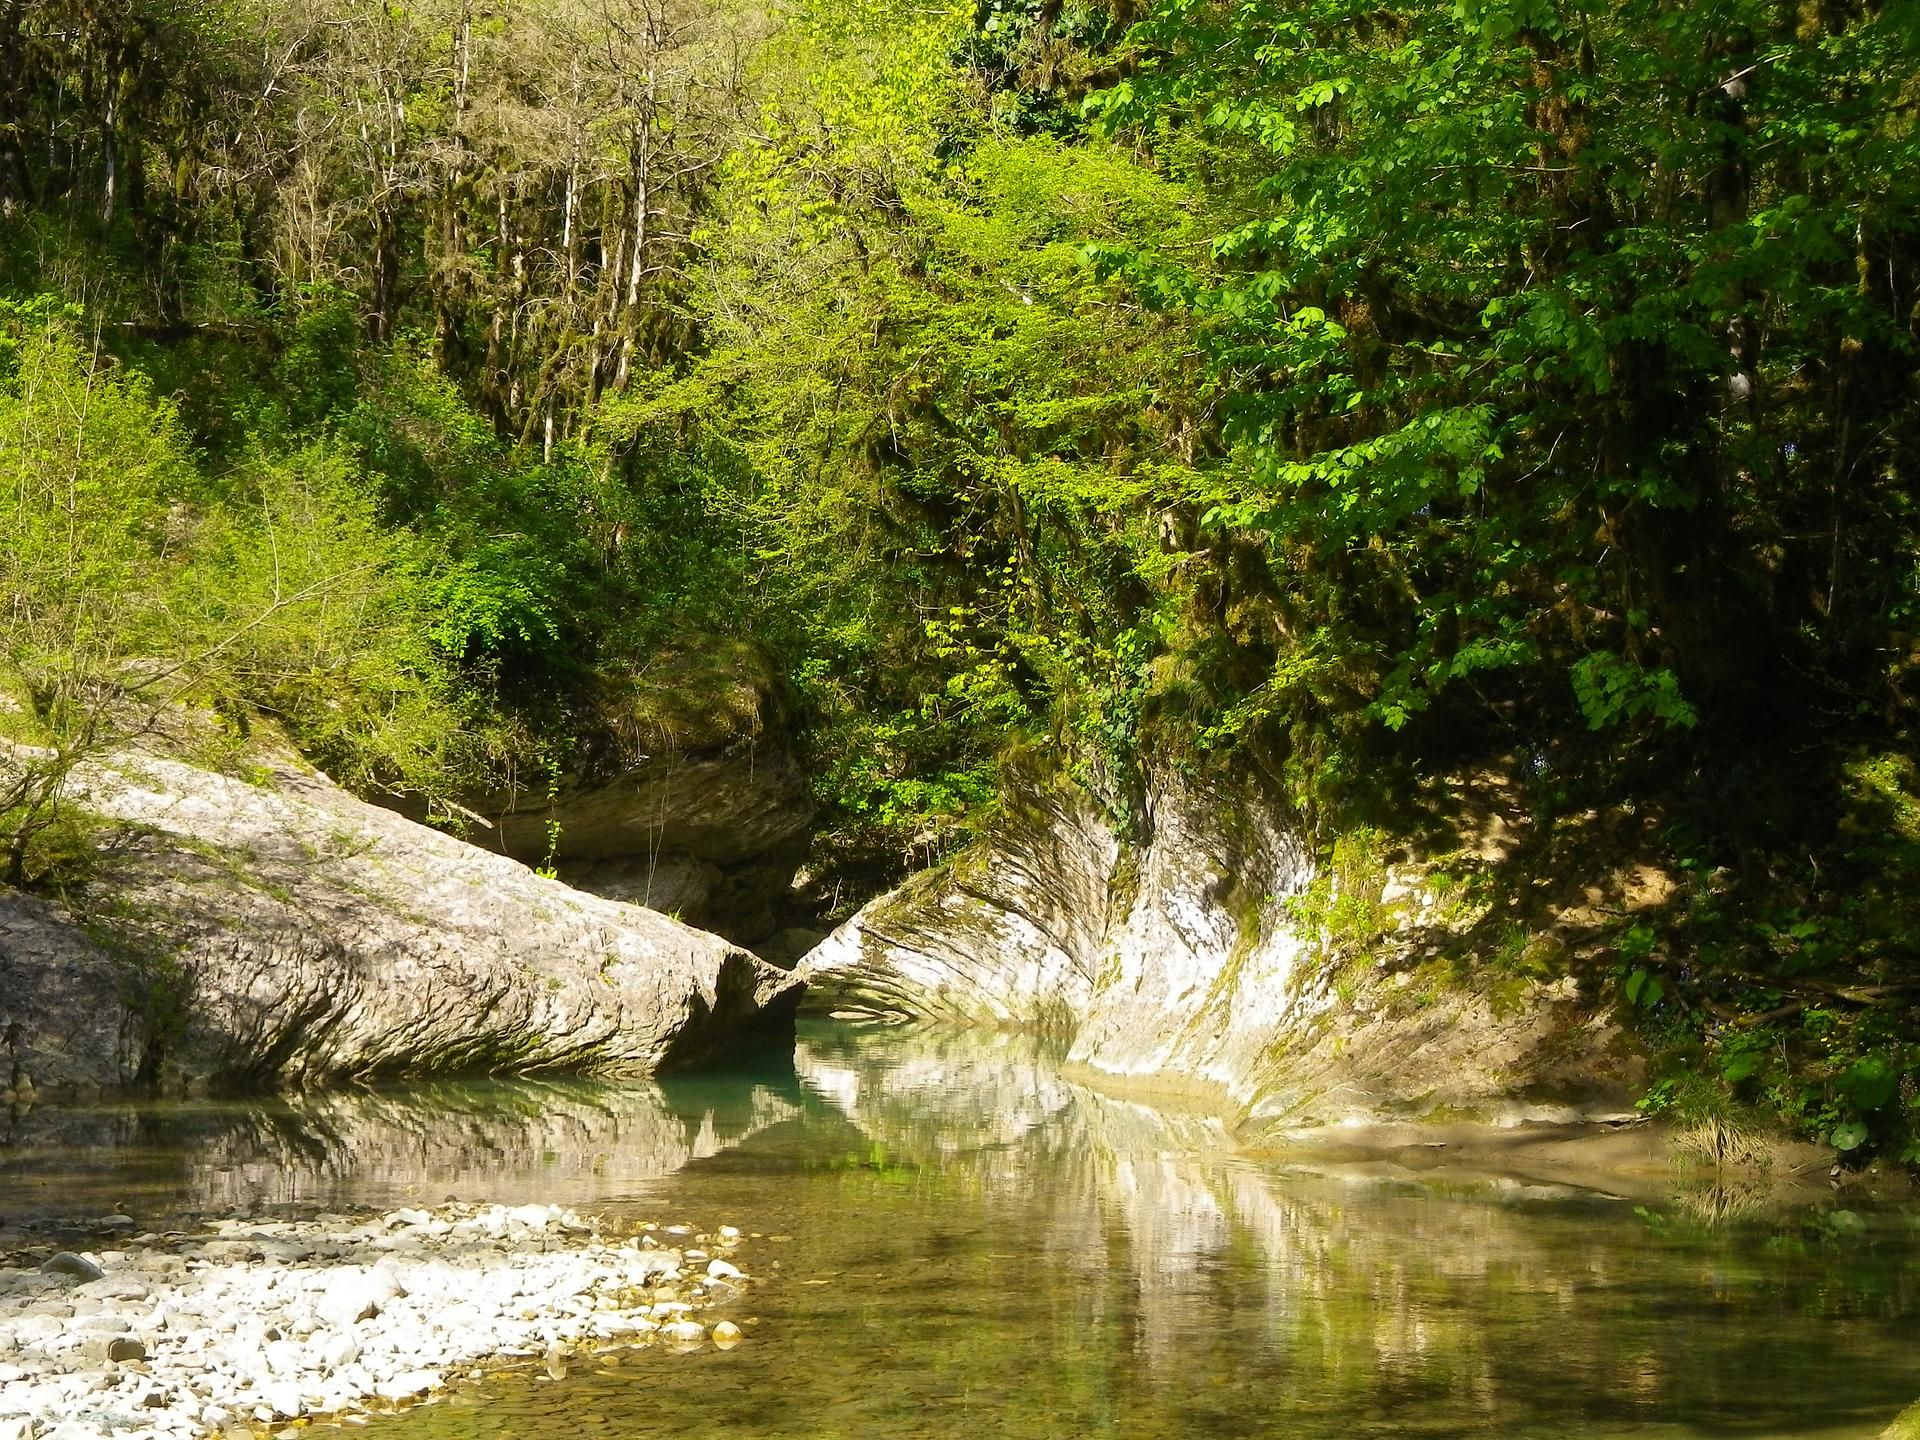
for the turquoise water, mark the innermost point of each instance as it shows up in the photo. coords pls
(973, 1244)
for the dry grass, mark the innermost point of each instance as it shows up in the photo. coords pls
(1726, 1144)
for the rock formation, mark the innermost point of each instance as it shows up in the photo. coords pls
(283, 932)
(1176, 957)
(713, 837)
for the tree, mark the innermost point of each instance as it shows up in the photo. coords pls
(1549, 332)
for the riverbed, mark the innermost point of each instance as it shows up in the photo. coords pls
(971, 1242)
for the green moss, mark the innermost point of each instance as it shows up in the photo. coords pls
(1351, 979)
(1905, 1426)
(1888, 788)
(1431, 982)
(1054, 1025)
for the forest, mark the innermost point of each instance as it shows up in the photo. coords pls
(1364, 393)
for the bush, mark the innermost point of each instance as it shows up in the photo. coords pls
(133, 583)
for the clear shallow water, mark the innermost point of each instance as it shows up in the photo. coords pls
(981, 1247)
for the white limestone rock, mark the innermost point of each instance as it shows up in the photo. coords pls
(285, 932)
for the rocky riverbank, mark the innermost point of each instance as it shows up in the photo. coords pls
(253, 1323)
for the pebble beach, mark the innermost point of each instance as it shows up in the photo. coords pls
(248, 1324)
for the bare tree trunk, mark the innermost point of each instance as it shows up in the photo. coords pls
(110, 153)
(386, 275)
(450, 282)
(1728, 204)
(570, 211)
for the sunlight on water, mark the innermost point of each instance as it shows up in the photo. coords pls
(980, 1246)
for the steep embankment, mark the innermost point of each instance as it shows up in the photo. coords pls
(713, 835)
(681, 792)
(1197, 954)
(277, 930)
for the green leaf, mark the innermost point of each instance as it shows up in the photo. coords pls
(1869, 1083)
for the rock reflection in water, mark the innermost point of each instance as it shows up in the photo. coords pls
(1435, 1305)
(493, 1140)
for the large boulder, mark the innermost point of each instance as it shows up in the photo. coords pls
(1177, 956)
(275, 930)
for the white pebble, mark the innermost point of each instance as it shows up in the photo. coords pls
(267, 1322)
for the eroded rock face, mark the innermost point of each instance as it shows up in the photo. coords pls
(64, 1011)
(285, 932)
(714, 837)
(722, 806)
(1174, 959)
(1009, 934)
(677, 789)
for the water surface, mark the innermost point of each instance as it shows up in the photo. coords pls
(980, 1246)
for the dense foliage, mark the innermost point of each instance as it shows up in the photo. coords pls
(1572, 398)
(1363, 393)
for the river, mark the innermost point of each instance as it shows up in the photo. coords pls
(973, 1243)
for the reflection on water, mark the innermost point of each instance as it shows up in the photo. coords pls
(983, 1247)
(495, 1140)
